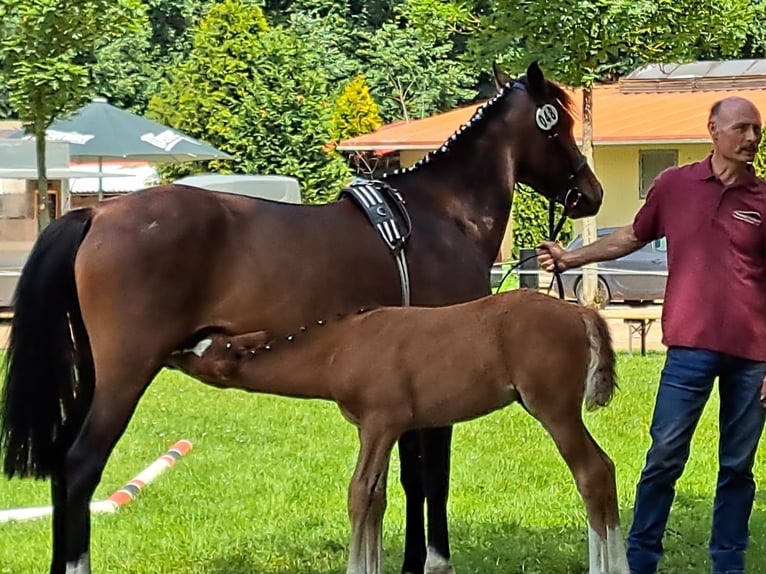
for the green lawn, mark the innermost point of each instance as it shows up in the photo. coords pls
(264, 489)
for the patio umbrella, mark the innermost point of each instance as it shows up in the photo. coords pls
(100, 130)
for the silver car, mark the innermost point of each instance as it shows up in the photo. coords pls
(636, 278)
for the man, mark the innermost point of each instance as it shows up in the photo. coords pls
(713, 214)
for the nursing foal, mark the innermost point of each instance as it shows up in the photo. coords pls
(399, 368)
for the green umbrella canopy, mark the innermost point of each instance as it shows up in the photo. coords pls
(99, 131)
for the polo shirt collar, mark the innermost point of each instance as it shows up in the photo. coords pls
(703, 170)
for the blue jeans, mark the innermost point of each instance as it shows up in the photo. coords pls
(685, 385)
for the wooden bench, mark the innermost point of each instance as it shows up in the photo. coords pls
(638, 319)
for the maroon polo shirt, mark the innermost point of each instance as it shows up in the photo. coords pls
(715, 297)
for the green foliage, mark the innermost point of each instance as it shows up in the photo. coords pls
(413, 70)
(331, 36)
(127, 71)
(130, 70)
(355, 113)
(6, 111)
(583, 42)
(45, 50)
(760, 161)
(530, 219)
(755, 44)
(259, 93)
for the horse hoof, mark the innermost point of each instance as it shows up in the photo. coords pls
(437, 564)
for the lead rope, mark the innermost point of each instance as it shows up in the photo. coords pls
(554, 228)
(553, 233)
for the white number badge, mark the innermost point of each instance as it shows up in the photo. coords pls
(547, 117)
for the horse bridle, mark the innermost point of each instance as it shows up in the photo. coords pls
(546, 117)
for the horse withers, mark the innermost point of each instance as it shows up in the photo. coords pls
(392, 369)
(109, 292)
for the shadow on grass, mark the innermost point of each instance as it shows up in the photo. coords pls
(509, 548)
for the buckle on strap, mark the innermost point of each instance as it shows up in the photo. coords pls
(371, 197)
(380, 203)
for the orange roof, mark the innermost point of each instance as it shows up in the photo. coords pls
(618, 118)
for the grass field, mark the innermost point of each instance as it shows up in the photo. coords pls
(264, 489)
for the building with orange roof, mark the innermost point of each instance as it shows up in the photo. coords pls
(654, 118)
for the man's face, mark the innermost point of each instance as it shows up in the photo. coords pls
(736, 130)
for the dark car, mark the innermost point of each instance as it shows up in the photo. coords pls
(638, 277)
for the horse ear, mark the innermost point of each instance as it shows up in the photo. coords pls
(501, 78)
(536, 81)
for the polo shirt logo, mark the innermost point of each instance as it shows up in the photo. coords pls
(751, 217)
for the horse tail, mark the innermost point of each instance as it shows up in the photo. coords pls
(49, 372)
(601, 380)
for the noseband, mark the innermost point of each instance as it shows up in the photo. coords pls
(572, 195)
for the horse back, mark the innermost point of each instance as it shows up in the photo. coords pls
(196, 259)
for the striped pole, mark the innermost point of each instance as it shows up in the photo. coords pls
(120, 498)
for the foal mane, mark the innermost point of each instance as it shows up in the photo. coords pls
(467, 134)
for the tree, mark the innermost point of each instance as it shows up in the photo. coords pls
(760, 161)
(43, 52)
(530, 220)
(129, 70)
(410, 60)
(594, 40)
(6, 111)
(355, 113)
(261, 94)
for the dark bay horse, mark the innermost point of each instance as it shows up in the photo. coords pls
(109, 292)
(395, 369)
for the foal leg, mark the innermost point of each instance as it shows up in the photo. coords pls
(593, 472)
(367, 499)
(116, 396)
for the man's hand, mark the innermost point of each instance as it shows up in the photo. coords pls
(550, 255)
(763, 392)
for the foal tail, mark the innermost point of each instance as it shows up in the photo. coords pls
(601, 379)
(41, 389)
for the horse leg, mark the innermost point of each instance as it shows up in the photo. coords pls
(114, 400)
(68, 435)
(593, 472)
(425, 459)
(58, 497)
(436, 464)
(367, 499)
(412, 481)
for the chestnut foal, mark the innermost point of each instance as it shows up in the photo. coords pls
(394, 369)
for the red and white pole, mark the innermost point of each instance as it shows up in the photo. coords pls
(120, 498)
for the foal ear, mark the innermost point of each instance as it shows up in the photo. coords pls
(501, 78)
(536, 81)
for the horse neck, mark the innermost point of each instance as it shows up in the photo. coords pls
(474, 189)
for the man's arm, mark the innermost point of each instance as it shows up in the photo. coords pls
(612, 246)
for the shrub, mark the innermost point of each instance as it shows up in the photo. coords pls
(530, 219)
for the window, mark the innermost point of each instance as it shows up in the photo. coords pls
(660, 244)
(651, 163)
